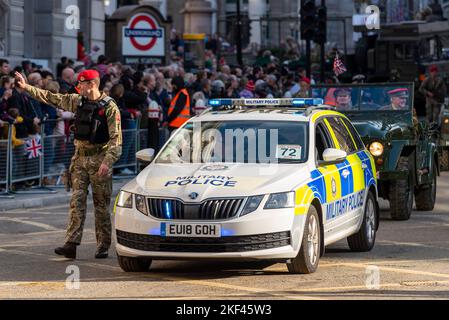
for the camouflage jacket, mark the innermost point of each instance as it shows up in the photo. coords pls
(70, 102)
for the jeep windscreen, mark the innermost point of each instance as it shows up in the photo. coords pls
(251, 142)
(367, 98)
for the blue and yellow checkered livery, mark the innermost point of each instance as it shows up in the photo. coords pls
(345, 181)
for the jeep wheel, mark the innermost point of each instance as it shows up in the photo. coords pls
(364, 240)
(401, 194)
(309, 254)
(129, 264)
(425, 195)
(444, 159)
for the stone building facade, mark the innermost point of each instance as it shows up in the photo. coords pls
(37, 29)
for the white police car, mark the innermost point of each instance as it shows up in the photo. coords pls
(251, 179)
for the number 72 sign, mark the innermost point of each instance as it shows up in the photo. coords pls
(290, 152)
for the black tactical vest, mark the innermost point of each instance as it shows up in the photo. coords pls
(91, 123)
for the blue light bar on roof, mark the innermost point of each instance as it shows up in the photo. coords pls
(298, 102)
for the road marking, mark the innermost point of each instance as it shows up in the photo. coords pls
(269, 292)
(397, 270)
(31, 223)
(411, 244)
(382, 286)
(159, 276)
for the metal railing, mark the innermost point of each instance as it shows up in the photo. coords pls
(44, 171)
(5, 146)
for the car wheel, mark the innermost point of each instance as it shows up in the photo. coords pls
(129, 264)
(308, 257)
(364, 240)
(444, 159)
(401, 193)
(425, 196)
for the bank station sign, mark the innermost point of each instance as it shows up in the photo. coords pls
(143, 37)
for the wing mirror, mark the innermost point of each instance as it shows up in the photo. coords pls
(146, 155)
(333, 156)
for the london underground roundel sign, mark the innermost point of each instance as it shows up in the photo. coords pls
(143, 36)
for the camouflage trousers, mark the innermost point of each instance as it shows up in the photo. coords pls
(433, 110)
(84, 173)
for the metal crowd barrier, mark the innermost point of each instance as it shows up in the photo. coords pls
(44, 172)
(58, 153)
(4, 165)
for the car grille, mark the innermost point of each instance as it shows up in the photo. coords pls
(225, 244)
(219, 209)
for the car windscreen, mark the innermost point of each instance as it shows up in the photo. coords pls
(346, 98)
(251, 141)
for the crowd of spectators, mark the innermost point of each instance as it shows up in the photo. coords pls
(135, 87)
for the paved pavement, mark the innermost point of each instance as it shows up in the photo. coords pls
(411, 261)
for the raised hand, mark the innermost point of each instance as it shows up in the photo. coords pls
(20, 80)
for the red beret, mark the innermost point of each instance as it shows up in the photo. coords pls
(306, 80)
(250, 86)
(88, 75)
(433, 68)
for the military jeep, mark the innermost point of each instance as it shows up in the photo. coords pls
(405, 153)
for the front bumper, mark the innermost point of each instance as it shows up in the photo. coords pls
(264, 234)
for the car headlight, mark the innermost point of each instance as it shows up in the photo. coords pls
(141, 204)
(252, 204)
(446, 121)
(376, 149)
(125, 200)
(281, 200)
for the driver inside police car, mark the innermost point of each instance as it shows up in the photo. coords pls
(98, 145)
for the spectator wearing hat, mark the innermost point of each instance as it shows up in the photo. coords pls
(343, 99)
(304, 85)
(434, 89)
(249, 90)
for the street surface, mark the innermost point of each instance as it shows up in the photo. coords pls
(410, 260)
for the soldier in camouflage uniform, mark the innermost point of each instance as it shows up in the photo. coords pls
(97, 148)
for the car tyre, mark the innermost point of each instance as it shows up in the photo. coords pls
(401, 193)
(307, 260)
(425, 196)
(129, 264)
(364, 240)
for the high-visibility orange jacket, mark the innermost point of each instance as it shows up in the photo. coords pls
(184, 116)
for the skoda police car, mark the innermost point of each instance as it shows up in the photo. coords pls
(251, 179)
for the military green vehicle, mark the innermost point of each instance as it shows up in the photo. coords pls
(411, 48)
(404, 151)
(443, 139)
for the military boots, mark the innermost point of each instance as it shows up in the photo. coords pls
(68, 250)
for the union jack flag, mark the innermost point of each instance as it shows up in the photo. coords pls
(34, 148)
(339, 67)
